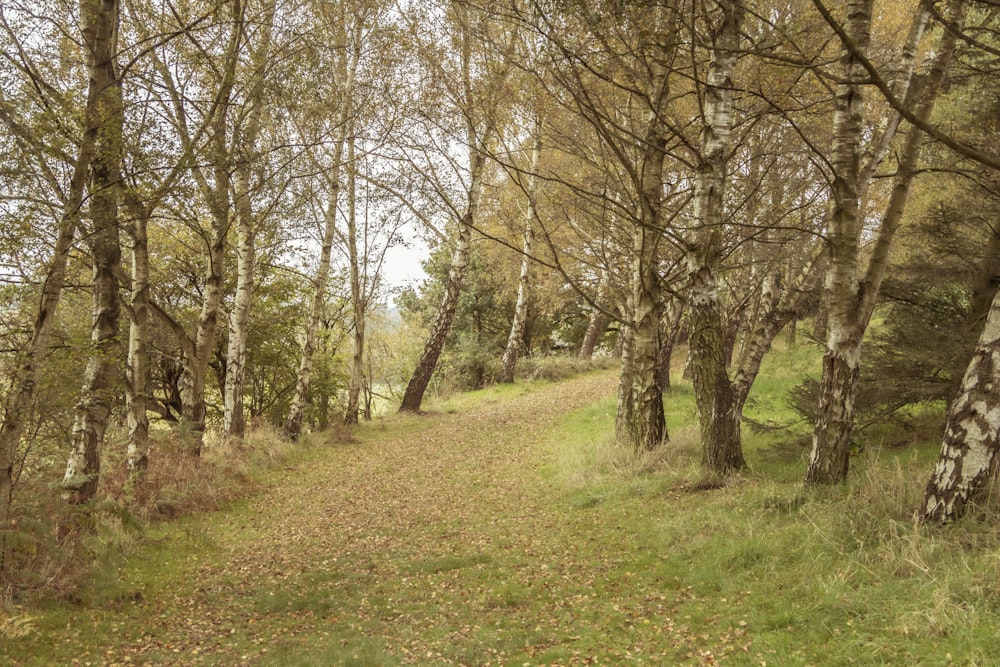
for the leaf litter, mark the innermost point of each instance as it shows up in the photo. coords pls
(439, 544)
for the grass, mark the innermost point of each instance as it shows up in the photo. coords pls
(505, 528)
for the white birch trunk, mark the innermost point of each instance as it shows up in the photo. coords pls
(233, 418)
(303, 380)
(516, 337)
(639, 422)
(137, 368)
(851, 297)
(358, 297)
(100, 31)
(968, 458)
(718, 413)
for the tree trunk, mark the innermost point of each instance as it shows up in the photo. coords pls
(358, 296)
(640, 421)
(303, 378)
(968, 458)
(217, 196)
(851, 298)
(417, 386)
(516, 338)
(670, 326)
(598, 321)
(29, 363)
(233, 419)
(517, 327)
(100, 30)
(137, 369)
(193, 410)
(710, 346)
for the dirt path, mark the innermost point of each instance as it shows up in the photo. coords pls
(433, 540)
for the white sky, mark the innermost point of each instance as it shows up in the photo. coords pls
(402, 265)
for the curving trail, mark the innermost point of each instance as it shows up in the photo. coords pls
(427, 540)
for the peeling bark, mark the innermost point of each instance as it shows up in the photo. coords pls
(516, 338)
(968, 458)
(100, 31)
(718, 411)
(851, 296)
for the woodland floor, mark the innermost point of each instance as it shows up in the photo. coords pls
(492, 532)
(433, 540)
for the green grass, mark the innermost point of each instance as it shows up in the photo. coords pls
(487, 533)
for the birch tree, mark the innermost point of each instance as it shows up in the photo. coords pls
(349, 42)
(29, 362)
(474, 76)
(99, 25)
(247, 136)
(514, 340)
(852, 285)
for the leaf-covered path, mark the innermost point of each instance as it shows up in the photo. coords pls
(428, 540)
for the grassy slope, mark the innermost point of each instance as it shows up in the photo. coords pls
(503, 529)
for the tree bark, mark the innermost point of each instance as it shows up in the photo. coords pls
(640, 422)
(303, 378)
(516, 337)
(968, 458)
(851, 297)
(359, 299)
(99, 22)
(233, 418)
(417, 386)
(137, 367)
(598, 321)
(217, 196)
(718, 409)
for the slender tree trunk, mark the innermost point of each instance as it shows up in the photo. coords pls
(710, 346)
(29, 363)
(417, 386)
(968, 458)
(640, 421)
(137, 370)
(217, 195)
(234, 419)
(598, 321)
(100, 30)
(193, 411)
(851, 297)
(358, 296)
(670, 325)
(303, 381)
(516, 338)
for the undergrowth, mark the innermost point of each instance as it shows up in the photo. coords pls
(56, 550)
